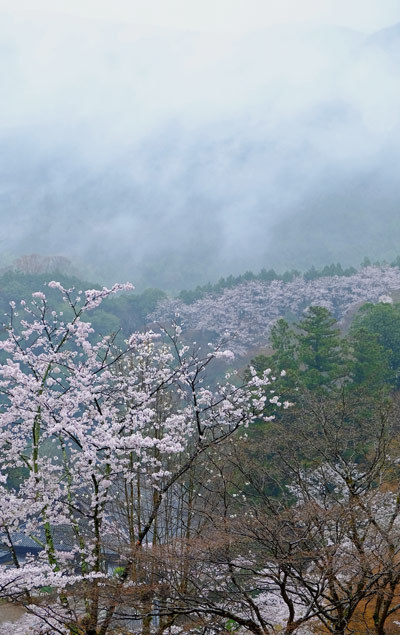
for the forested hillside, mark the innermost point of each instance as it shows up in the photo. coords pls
(242, 309)
(127, 313)
(247, 311)
(143, 492)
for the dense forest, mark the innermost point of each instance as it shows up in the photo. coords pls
(250, 303)
(245, 482)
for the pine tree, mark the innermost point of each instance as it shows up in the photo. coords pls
(320, 350)
(283, 341)
(369, 365)
(383, 320)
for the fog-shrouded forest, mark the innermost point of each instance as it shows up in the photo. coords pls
(212, 153)
(200, 317)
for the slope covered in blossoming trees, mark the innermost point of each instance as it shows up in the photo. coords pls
(247, 311)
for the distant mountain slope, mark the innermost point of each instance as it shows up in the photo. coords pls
(245, 313)
(350, 216)
(388, 39)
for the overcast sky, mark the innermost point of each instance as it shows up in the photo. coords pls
(130, 131)
(236, 15)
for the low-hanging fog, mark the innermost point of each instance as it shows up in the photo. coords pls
(171, 157)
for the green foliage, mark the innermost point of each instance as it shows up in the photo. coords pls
(320, 351)
(311, 353)
(17, 286)
(125, 313)
(118, 572)
(231, 625)
(369, 365)
(104, 322)
(283, 341)
(190, 296)
(383, 321)
(316, 358)
(132, 309)
(268, 276)
(327, 271)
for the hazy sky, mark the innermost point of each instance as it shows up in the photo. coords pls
(174, 141)
(236, 15)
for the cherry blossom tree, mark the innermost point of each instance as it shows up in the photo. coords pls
(95, 441)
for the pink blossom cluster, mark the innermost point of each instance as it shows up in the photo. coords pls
(248, 310)
(82, 422)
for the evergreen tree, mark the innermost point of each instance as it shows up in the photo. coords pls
(320, 350)
(283, 341)
(369, 363)
(383, 320)
(283, 361)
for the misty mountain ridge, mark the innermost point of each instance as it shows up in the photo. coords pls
(388, 39)
(174, 160)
